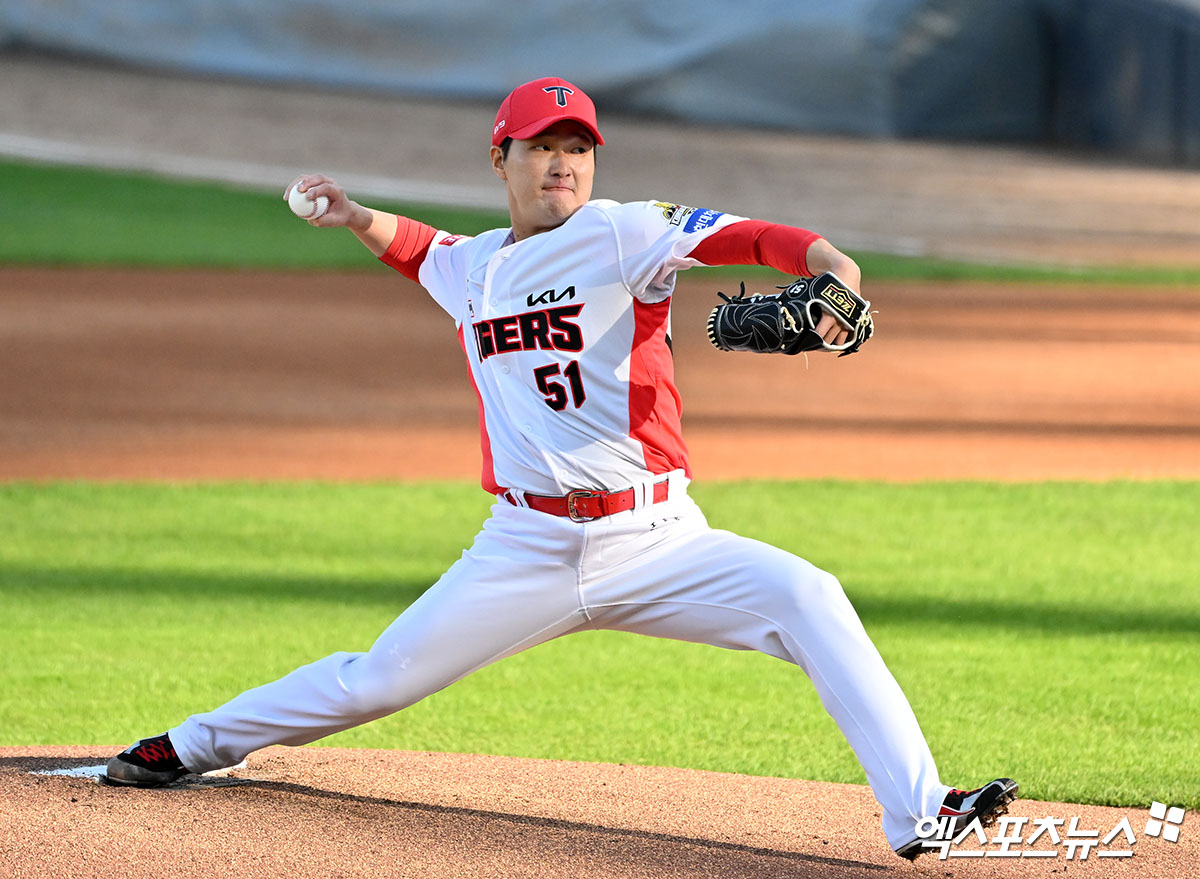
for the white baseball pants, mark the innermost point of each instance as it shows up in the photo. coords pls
(659, 571)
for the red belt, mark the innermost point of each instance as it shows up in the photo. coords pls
(583, 505)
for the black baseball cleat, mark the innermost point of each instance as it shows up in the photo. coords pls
(150, 763)
(986, 803)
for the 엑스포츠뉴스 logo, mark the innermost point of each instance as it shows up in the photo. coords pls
(1050, 837)
(1164, 822)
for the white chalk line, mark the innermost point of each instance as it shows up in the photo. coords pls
(98, 773)
(246, 174)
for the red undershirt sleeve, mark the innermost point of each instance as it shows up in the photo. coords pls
(408, 248)
(757, 243)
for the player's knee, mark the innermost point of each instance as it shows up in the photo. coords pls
(827, 586)
(373, 689)
(825, 592)
(805, 588)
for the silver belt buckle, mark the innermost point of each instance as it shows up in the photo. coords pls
(573, 496)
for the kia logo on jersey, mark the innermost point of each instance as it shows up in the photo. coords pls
(549, 296)
(560, 93)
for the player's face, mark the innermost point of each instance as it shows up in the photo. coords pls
(548, 177)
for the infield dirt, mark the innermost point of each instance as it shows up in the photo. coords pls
(113, 374)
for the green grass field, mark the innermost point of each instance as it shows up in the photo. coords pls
(1048, 631)
(80, 216)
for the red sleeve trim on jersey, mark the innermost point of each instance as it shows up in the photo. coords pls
(408, 248)
(757, 243)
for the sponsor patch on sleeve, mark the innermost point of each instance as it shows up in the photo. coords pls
(675, 214)
(450, 239)
(701, 218)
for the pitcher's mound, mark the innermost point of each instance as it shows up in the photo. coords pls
(324, 812)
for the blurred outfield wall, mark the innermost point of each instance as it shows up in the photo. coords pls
(1118, 75)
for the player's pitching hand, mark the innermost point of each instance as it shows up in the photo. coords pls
(824, 257)
(341, 210)
(831, 331)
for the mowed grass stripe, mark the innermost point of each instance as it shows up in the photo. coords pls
(1048, 631)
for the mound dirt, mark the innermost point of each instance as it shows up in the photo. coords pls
(323, 812)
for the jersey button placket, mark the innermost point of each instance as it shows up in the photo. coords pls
(496, 300)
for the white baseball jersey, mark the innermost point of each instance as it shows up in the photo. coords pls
(567, 334)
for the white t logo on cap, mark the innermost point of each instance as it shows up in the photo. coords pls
(560, 93)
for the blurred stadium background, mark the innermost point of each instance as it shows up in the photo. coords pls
(1122, 76)
(1062, 131)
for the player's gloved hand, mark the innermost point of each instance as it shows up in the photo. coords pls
(798, 319)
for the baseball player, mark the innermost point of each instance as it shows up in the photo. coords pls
(564, 320)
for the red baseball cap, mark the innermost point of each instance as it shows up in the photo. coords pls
(533, 107)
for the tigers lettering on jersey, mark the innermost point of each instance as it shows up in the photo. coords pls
(550, 329)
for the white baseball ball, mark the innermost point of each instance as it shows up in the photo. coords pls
(304, 207)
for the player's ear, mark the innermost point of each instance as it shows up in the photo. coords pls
(497, 156)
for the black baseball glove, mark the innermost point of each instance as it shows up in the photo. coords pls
(785, 323)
